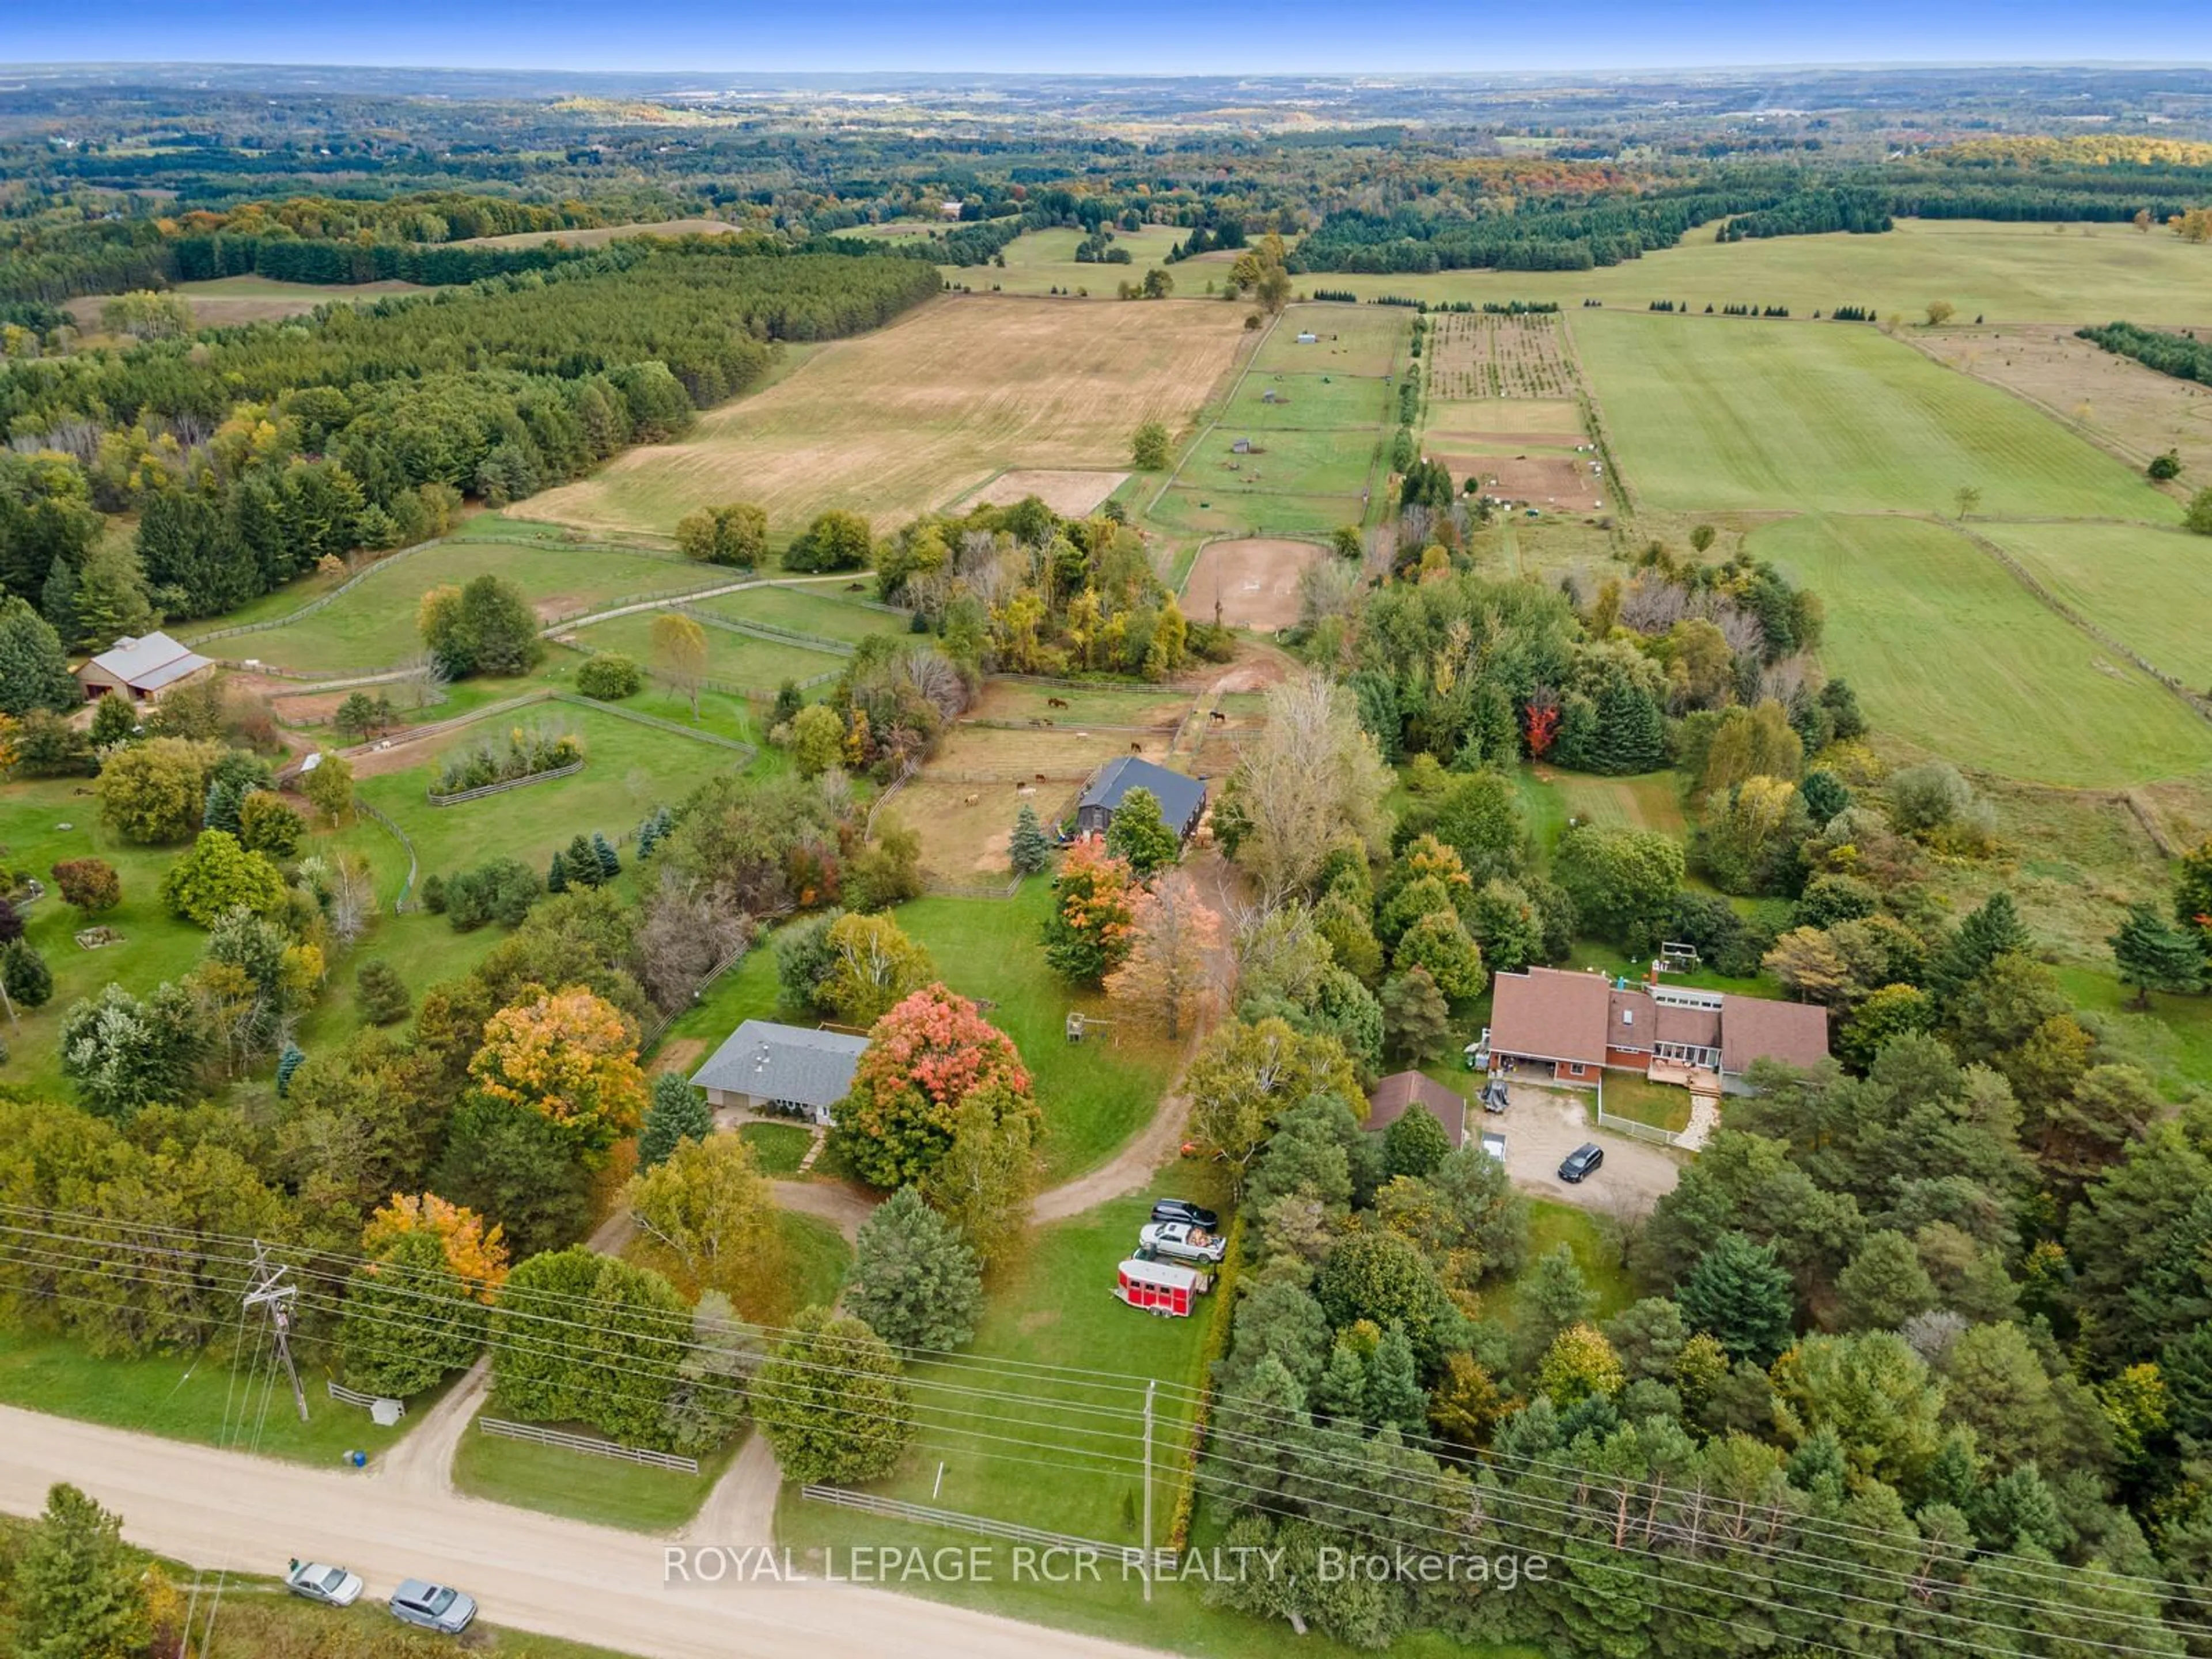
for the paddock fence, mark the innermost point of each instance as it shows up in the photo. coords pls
(499, 1428)
(503, 786)
(894, 1509)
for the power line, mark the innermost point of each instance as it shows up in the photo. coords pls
(1555, 1509)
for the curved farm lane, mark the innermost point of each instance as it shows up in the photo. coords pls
(843, 1206)
(595, 1584)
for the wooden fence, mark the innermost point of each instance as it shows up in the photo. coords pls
(407, 888)
(894, 1509)
(540, 1436)
(1636, 1131)
(344, 1396)
(503, 786)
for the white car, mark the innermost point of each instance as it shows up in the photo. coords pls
(333, 1587)
(1182, 1238)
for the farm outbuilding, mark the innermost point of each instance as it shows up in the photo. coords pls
(1182, 800)
(789, 1070)
(141, 669)
(1397, 1094)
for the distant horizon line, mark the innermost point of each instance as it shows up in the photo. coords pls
(756, 77)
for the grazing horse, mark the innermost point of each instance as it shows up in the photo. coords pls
(1055, 703)
(1217, 717)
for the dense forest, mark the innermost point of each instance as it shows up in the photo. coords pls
(254, 452)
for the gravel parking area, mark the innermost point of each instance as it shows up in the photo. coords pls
(1543, 1124)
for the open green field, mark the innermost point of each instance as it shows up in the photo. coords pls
(603, 1490)
(816, 1259)
(1206, 511)
(190, 1397)
(629, 770)
(1334, 401)
(1361, 341)
(1038, 261)
(732, 658)
(2150, 588)
(2010, 272)
(1320, 452)
(371, 625)
(805, 611)
(1711, 415)
(1946, 646)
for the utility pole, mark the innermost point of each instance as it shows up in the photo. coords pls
(271, 1292)
(1148, 1389)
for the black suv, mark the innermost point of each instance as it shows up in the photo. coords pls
(1177, 1209)
(1581, 1162)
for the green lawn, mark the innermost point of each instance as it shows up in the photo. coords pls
(1833, 418)
(1551, 1224)
(1054, 1307)
(1319, 461)
(817, 1258)
(371, 625)
(605, 1490)
(154, 946)
(1642, 1101)
(741, 660)
(1095, 1095)
(2150, 588)
(1652, 801)
(2011, 272)
(629, 770)
(779, 1146)
(190, 1397)
(1947, 649)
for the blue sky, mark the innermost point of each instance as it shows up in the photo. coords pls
(1154, 36)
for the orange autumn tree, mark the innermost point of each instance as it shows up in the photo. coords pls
(477, 1255)
(1168, 979)
(572, 1058)
(928, 1056)
(1088, 934)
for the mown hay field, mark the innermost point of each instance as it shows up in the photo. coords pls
(225, 301)
(2009, 272)
(2150, 588)
(373, 625)
(1949, 651)
(911, 416)
(1709, 415)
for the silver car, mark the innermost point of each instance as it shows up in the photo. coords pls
(334, 1587)
(1182, 1240)
(434, 1607)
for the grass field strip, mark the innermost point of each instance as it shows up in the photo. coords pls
(1213, 424)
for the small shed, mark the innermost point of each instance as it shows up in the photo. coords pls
(1306, 339)
(1268, 394)
(1165, 1288)
(141, 669)
(1242, 447)
(1182, 799)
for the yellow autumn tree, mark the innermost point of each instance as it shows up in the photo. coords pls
(477, 1253)
(569, 1056)
(1168, 979)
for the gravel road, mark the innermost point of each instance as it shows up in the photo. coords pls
(217, 1508)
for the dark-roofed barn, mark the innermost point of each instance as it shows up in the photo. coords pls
(1182, 799)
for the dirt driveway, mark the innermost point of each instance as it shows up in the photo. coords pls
(1544, 1124)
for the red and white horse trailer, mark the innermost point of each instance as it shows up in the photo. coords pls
(1161, 1287)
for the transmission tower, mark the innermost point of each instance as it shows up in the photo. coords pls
(271, 1294)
